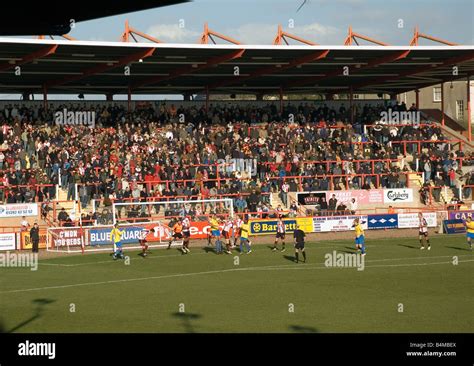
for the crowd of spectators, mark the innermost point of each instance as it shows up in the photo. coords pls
(245, 152)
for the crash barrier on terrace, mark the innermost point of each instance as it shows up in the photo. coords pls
(432, 194)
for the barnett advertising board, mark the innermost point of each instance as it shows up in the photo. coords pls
(25, 240)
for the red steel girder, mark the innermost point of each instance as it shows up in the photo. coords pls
(46, 51)
(282, 35)
(129, 32)
(417, 35)
(419, 70)
(352, 70)
(190, 69)
(352, 36)
(102, 68)
(272, 69)
(208, 35)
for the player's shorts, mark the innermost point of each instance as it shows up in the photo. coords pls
(470, 235)
(118, 244)
(423, 233)
(186, 234)
(216, 233)
(299, 245)
(243, 240)
(178, 236)
(226, 234)
(280, 236)
(360, 240)
(142, 242)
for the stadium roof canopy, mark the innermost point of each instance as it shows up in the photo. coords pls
(54, 17)
(71, 67)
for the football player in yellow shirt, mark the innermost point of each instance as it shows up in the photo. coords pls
(360, 237)
(244, 236)
(470, 231)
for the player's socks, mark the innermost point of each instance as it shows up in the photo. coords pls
(304, 256)
(296, 256)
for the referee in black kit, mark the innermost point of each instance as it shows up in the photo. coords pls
(299, 236)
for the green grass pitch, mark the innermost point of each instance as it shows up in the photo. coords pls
(401, 289)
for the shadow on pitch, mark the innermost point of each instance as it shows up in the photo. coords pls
(408, 246)
(459, 248)
(301, 329)
(39, 306)
(290, 258)
(209, 249)
(350, 250)
(186, 320)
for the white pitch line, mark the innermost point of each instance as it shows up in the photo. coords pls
(180, 255)
(302, 266)
(148, 258)
(322, 266)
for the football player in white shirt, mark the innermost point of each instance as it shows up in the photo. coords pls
(236, 229)
(423, 231)
(228, 225)
(186, 222)
(280, 234)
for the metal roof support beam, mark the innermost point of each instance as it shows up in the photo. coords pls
(31, 57)
(103, 68)
(208, 34)
(448, 62)
(281, 34)
(130, 32)
(352, 37)
(272, 69)
(352, 70)
(417, 35)
(190, 69)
